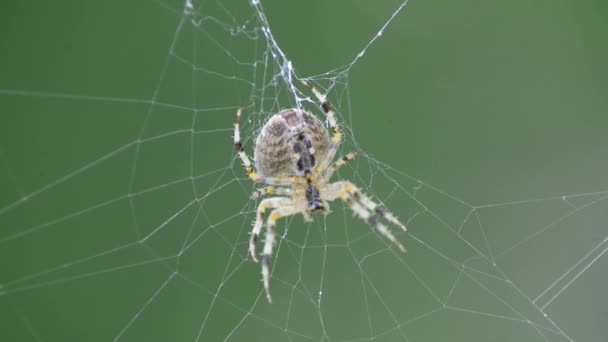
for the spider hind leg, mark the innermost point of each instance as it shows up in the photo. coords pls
(336, 137)
(238, 146)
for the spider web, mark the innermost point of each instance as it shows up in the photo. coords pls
(125, 216)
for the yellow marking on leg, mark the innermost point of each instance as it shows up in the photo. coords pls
(252, 174)
(275, 216)
(349, 188)
(337, 137)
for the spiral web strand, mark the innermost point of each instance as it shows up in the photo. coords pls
(161, 252)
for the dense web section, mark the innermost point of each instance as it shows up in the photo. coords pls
(161, 252)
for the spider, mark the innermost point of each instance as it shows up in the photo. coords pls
(293, 156)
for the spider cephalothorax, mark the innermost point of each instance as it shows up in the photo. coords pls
(294, 156)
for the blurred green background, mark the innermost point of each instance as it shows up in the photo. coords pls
(124, 214)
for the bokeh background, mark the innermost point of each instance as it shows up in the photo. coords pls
(124, 214)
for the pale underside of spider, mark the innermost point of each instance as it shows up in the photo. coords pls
(294, 157)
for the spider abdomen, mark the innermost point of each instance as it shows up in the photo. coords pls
(290, 143)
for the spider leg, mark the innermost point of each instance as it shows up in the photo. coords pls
(274, 202)
(373, 206)
(276, 181)
(365, 215)
(338, 164)
(333, 124)
(269, 243)
(270, 190)
(238, 146)
(364, 208)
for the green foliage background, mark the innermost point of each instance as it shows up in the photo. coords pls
(489, 101)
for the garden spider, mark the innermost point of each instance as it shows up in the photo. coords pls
(293, 155)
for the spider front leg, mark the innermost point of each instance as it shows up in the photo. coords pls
(338, 164)
(371, 205)
(366, 209)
